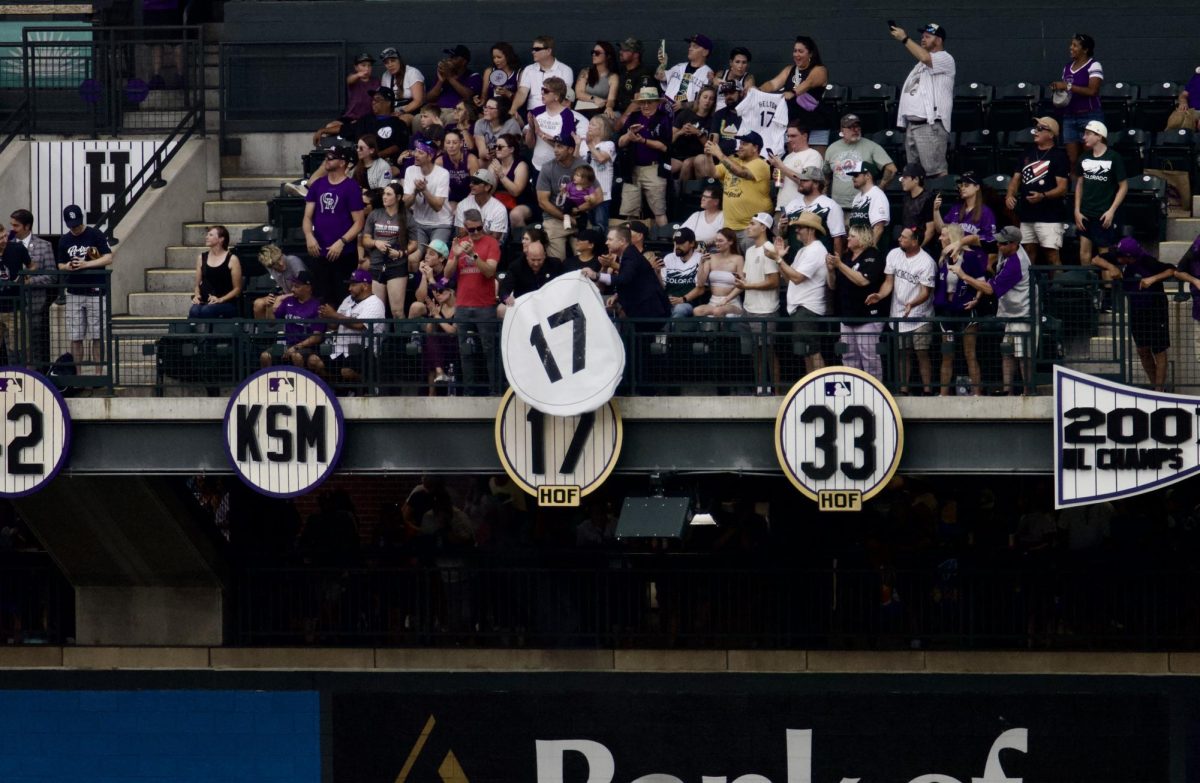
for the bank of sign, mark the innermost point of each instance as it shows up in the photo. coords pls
(838, 437)
(35, 432)
(1112, 440)
(284, 431)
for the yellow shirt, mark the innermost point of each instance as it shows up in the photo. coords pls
(743, 198)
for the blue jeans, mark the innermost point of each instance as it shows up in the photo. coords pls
(598, 217)
(682, 310)
(1073, 124)
(222, 310)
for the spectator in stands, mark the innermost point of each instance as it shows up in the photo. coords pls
(302, 332)
(807, 290)
(719, 272)
(473, 262)
(14, 263)
(643, 142)
(738, 71)
(759, 284)
(583, 195)
(927, 98)
(386, 240)
(42, 293)
(459, 164)
(359, 305)
(870, 207)
(726, 120)
(81, 250)
(506, 65)
(634, 75)
(705, 222)
(598, 84)
(597, 149)
(378, 132)
(976, 219)
(218, 283)
(1188, 271)
(427, 194)
(333, 219)
(953, 298)
(551, 120)
(680, 270)
(464, 120)
(455, 82)
(512, 178)
(745, 182)
(918, 203)
(441, 355)
(803, 85)
(495, 216)
(528, 274)
(910, 274)
(1011, 287)
(1038, 191)
(810, 197)
(799, 156)
(1081, 80)
(552, 181)
(681, 82)
(585, 259)
(359, 85)
(854, 275)
(844, 156)
(1187, 106)
(281, 269)
(406, 83)
(1142, 276)
(494, 123)
(534, 76)
(692, 126)
(370, 171)
(637, 289)
(1099, 191)
(430, 266)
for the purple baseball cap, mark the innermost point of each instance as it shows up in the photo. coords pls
(360, 276)
(1129, 247)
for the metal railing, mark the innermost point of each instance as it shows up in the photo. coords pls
(690, 601)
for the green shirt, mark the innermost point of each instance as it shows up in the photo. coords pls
(1100, 176)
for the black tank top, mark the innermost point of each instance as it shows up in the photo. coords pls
(819, 118)
(215, 280)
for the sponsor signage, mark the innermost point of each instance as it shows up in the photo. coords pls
(284, 431)
(1112, 441)
(839, 436)
(35, 432)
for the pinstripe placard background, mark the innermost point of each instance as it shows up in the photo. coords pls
(35, 430)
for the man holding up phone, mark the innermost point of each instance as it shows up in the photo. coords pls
(927, 98)
(645, 136)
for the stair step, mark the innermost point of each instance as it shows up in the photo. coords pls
(265, 188)
(193, 233)
(159, 304)
(1196, 205)
(1171, 252)
(183, 257)
(170, 281)
(235, 211)
(1183, 229)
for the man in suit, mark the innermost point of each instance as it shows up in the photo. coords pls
(638, 288)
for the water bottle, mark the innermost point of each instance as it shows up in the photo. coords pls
(451, 380)
(962, 385)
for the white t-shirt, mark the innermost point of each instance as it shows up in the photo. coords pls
(674, 80)
(437, 183)
(370, 308)
(543, 151)
(797, 162)
(873, 205)
(756, 268)
(811, 294)
(495, 216)
(928, 91)
(532, 77)
(767, 114)
(604, 171)
(705, 232)
(908, 276)
(411, 77)
(823, 207)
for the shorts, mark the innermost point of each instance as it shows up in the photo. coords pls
(85, 316)
(424, 234)
(1095, 232)
(647, 183)
(951, 328)
(1074, 124)
(761, 327)
(304, 353)
(807, 328)
(1151, 328)
(919, 339)
(927, 143)
(1018, 336)
(1047, 235)
(355, 362)
(389, 273)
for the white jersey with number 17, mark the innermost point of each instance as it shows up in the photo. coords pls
(767, 114)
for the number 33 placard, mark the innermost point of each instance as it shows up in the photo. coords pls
(561, 353)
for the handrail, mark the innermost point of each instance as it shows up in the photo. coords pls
(16, 123)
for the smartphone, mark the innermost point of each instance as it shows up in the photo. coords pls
(662, 49)
(891, 24)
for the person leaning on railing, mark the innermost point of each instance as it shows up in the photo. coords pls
(38, 286)
(14, 260)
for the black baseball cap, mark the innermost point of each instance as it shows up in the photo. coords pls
(342, 152)
(638, 227)
(73, 216)
(304, 277)
(590, 235)
(684, 234)
(363, 57)
(459, 51)
(386, 92)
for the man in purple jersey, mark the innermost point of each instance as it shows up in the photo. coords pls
(333, 219)
(455, 82)
(303, 333)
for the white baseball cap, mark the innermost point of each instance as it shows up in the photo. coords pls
(1097, 127)
(765, 219)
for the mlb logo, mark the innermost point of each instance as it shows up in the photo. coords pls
(281, 385)
(837, 389)
(10, 384)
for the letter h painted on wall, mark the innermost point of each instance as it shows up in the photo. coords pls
(98, 186)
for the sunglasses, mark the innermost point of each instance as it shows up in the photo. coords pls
(475, 230)
(545, 90)
(597, 52)
(1041, 128)
(502, 147)
(538, 48)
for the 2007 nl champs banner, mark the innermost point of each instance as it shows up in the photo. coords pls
(1113, 441)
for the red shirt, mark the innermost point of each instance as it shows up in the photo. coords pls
(475, 289)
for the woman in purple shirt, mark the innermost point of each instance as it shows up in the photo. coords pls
(1081, 79)
(976, 219)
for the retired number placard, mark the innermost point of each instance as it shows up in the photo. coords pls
(35, 432)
